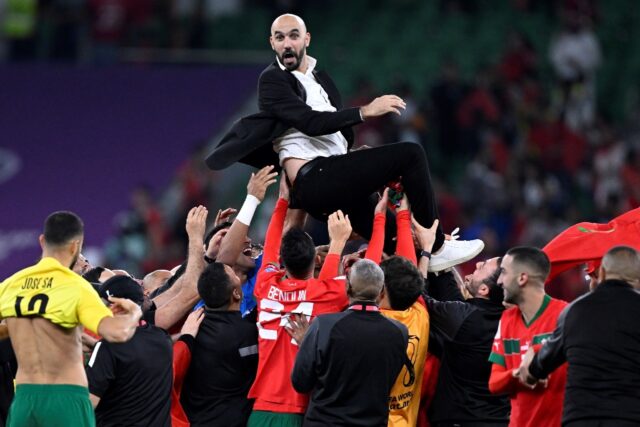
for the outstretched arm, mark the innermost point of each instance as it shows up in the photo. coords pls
(183, 295)
(405, 246)
(376, 243)
(234, 241)
(276, 96)
(339, 232)
(274, 232)
(426, 237)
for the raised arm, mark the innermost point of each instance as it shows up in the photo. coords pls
(426, 237)
(233, 242)
(274, 231)
(376, 243)
(405, 246)
(183, 295)
(339, 231)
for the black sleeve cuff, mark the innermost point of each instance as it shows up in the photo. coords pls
(535, 370)
(189, 340)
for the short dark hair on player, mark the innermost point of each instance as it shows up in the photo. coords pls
(496, 293)
(213, 231)
(533, 258)
(297, 252)
(215, 286)
(403, 282)
(62, 227)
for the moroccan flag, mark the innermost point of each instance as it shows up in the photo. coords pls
(587, 242)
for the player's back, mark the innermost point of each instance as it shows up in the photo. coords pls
(277, 299)
(41, 305)
(46, 353)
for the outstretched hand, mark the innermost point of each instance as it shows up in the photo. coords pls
(224, 215)
(523, 372)
(125, 307)
(284, 187)
(196, 222)
(426, 236)
(339, 227)
(297, 327)
(260, 181)
(404, 203)
(192, 324)
(383, 105)
(381, 207)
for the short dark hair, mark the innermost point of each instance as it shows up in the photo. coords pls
(61, 227)
(213, 231)
(215, 286)
(496, 293)
(297, 252)
(533, 258)
(403, 282)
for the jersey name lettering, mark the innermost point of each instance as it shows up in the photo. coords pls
(280, 295)
(37, 283)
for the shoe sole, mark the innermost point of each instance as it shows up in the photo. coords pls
(453, 263)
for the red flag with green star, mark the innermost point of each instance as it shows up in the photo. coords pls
(587, 242)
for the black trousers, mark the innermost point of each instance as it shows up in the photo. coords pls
(348, 182)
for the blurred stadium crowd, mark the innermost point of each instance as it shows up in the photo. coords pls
(532, 105)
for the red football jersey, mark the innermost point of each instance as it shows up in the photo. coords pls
(277, 298)
(541, 406)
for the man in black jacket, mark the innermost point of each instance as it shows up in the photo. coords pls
(302, 118)
(599, 335)
(225, 355)
(130, 382)
(462, 332)
(461, 335)
(349, 361)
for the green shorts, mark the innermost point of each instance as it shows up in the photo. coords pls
(55, 405)
(274, 419)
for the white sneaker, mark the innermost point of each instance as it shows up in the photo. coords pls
(455, 252)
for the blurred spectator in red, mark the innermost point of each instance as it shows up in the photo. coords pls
(479, 109)
(559, 148)
(519, 59)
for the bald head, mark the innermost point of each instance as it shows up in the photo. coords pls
(366, 280)
(290, 39)
(288, 20)
(155, 279)
(621, 263)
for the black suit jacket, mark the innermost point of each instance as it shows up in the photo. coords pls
(282, 103)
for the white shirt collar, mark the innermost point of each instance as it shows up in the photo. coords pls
(311, 61)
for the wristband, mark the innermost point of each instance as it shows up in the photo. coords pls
(425, 253)
(248, 209)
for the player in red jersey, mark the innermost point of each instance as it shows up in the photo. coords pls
(532, 320)
(282, 292)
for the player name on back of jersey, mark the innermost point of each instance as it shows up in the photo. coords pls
(37, 283)
(279, 295)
